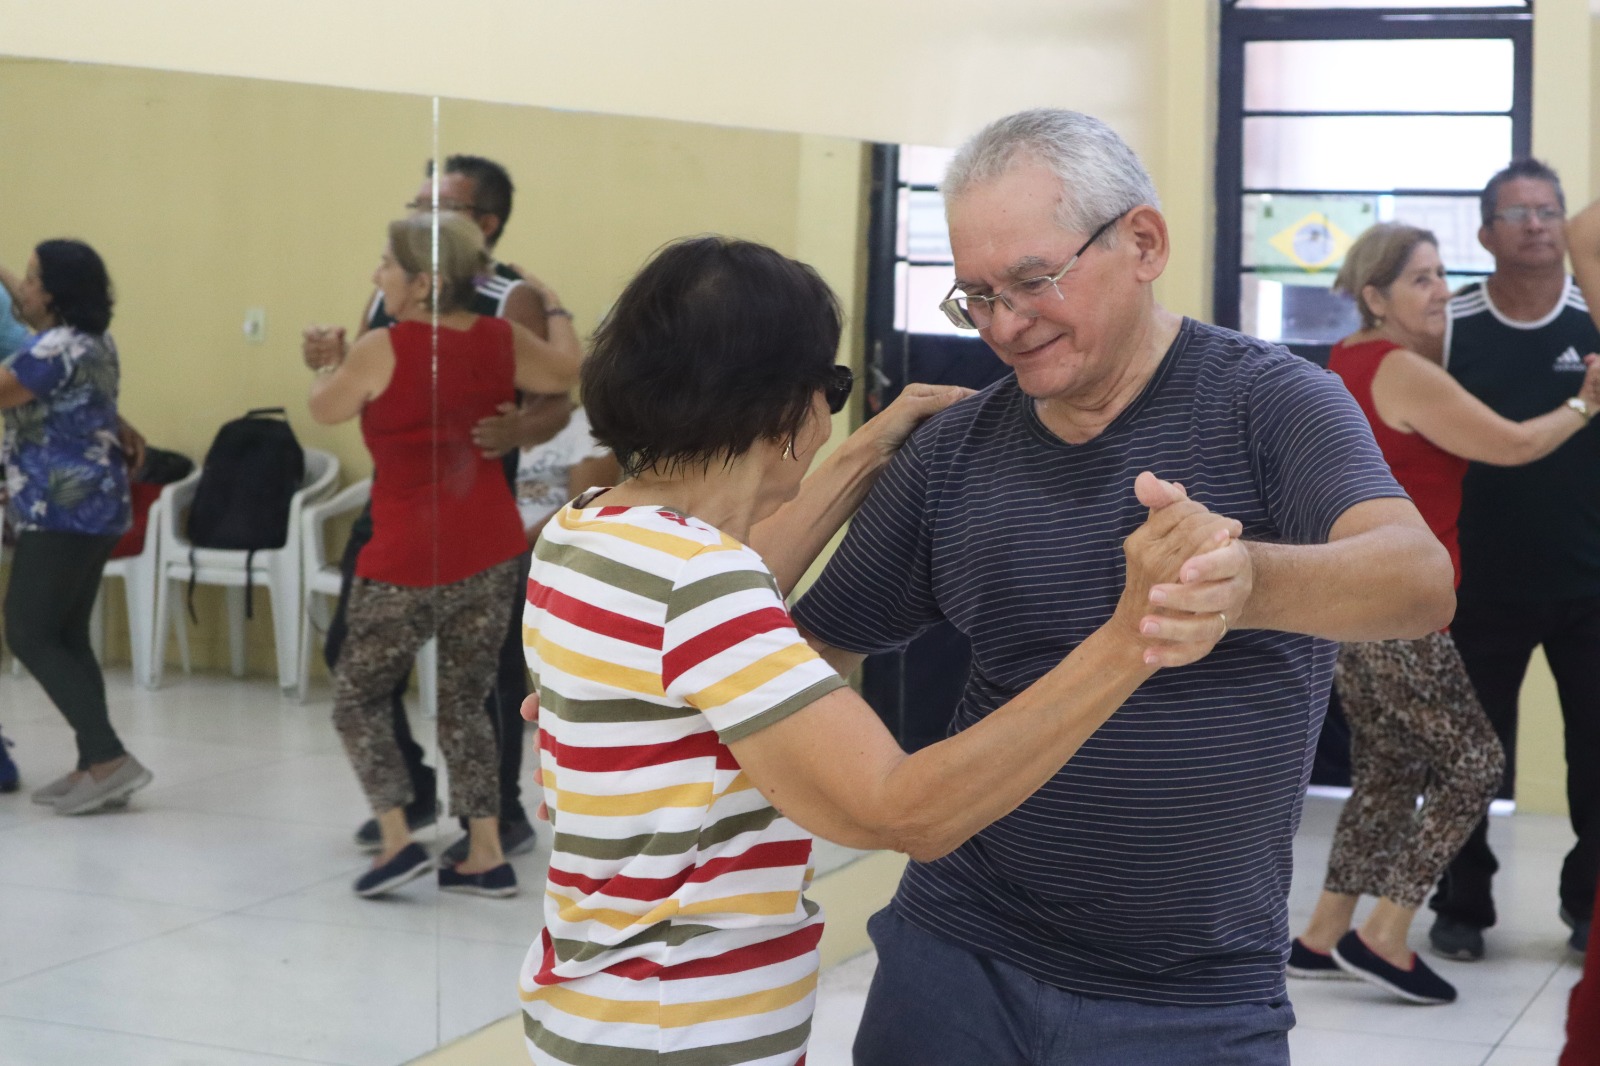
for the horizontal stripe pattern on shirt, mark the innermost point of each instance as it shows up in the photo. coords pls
(675, 920)
(1154, 866)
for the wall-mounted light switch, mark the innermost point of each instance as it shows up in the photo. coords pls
(255, 324)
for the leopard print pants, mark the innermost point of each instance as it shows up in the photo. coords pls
(388, 625)
(1416, 728)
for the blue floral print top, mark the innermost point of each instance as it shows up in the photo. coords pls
(64, 469)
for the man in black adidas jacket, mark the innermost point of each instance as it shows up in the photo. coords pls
(1530, 535)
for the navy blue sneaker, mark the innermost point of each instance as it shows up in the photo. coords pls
(409, 863)
(498, 883)
(1416, 985)
(1314, 965)
(9, 777)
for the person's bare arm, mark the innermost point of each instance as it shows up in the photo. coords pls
(557, 332)
(525, 305)
(13, 393)
(537, 419)
(132, 443)
(790, 539)
(1415, 395)
(1382, 575)
(546, 366)
(835, 770)
(1583, 245)
(339, 394)
(10, 282)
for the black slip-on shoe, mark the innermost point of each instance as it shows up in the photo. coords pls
(1314, 965)
(498, 883)
(1416, 985)
(409, 863)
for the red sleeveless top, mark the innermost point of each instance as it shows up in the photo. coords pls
(441, 512)
(1430, 475)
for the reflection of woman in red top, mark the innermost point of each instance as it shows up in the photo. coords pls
(444, 557)
(1416, 726)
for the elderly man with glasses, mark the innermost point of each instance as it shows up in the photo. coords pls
(1530, 535)
(1134, 908)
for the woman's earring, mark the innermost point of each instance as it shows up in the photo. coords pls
(788, 449)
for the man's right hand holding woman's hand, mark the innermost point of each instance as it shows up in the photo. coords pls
(1188, 577)
(322, 347)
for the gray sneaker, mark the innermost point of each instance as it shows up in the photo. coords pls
(49, 794)
(89, 795)
(1452, 939)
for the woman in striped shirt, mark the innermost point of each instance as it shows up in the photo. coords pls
(690, 740)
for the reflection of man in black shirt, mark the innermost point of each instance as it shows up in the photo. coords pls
(478, 187)
(1530, 535)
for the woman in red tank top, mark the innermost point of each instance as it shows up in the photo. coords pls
(1416, 725)
(444, 557)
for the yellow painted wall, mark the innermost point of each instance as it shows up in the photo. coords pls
(209, 195)
(918, 71)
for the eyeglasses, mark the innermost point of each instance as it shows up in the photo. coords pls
(424, 204)
(840, 381)
(1520, 213)
(1024, 298)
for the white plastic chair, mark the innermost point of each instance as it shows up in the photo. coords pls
(322, 581)
(138, 574)
(278, 570)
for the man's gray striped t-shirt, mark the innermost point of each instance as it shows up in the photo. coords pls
(1155, 865)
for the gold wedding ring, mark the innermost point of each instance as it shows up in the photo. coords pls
(1224, 618)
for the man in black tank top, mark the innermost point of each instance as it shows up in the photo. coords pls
(481, 188)
(1530, 535)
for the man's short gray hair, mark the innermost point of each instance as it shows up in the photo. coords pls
(1100, 176)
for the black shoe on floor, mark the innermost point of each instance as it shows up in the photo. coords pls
(1416, 985)
(1314, 965)
(1579, 940)
(516, 838)
(409, 863)
(1452, 939)
(10, 780)
(498, 883)
(418, 816)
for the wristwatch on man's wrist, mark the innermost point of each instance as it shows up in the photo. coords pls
(1582, 406)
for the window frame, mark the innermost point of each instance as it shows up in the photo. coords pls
(1241, 26)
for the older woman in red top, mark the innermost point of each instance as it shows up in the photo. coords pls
(444, 556)
(1415, 723)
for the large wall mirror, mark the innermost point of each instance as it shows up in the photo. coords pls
(231, 214)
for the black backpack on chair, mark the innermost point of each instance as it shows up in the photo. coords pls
(250, 475)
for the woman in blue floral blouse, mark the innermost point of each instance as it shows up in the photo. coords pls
(67, 501)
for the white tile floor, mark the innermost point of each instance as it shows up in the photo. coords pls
(212, 923)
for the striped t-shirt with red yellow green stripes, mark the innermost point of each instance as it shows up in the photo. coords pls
(675, 921)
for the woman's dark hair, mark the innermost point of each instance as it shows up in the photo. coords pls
(74, 276)
(716, 344)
